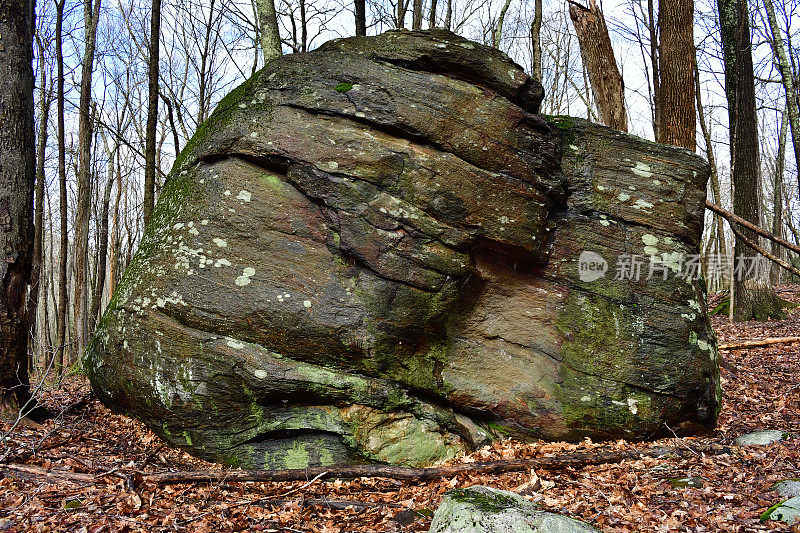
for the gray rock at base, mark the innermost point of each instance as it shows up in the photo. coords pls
(761, 438)
(788, 488)
(481, 509)
(788, 511)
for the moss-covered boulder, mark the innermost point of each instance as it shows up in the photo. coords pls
(378, 251)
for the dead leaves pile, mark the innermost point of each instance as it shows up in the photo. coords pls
(727, 492)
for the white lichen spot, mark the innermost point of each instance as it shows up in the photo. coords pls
(245, 196)
(642, 204)
(178, 226)
(204, 222)
(260, 374)
(649, 240)
(703, 345)
(333, 165)
(194, 231)
(656, 183)
(222, 243)
(222, 262)
(254, 134)
(623, 197)
(633, 405)
(227, 193)
(235, 344)
(586, 398)
(244, 279)
(642, 170)
(605, 223)
(307, 304)
(601, 188)
(695, 305)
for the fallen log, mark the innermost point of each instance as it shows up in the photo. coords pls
(758, 342)
(38, 473)
(560, 462)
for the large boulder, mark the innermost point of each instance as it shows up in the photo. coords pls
(378, 251)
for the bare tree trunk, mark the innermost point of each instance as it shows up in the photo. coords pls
(61, 317)
(102, 249)
(653, 29)
(712, 161)
(17, 178)
(361, 17)
(498, 30)
(598, 59)
(432, 15)
(402, 7)
(749, 301)
(270, 35)
(91, 12)
(41, 146)
(152, 112)
(416, 19)
(777, 195)
(448, 15)
(787, 77)
(676, 67)
(536, 41)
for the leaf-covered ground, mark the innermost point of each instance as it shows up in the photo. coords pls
(762, 391)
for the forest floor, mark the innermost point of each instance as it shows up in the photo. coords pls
(112, 453)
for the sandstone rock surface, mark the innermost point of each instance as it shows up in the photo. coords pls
(370, 252)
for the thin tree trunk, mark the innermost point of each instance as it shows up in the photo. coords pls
(448, 15)
(61, 317)
(91, 13)
(653, 29)
(152, 112)
(748, 299)
(38, 239)
(598, 59)
(787, 77)
(102, 249)
(416, 19)
(361, 17)
(270, 35)
(777, 194)
(676, 67)
(498, 30)
(17, 178)
(712, 161)
(402, 8)
(432, 15)
(536, 41)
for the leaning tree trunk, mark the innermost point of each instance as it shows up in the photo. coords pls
(17, 177)
(598, 59)
(676, 69)
(750, 300)
(787, 77)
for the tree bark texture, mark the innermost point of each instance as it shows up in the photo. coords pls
(17, 176)
(608, 88)
(152, 113)
(676, 70)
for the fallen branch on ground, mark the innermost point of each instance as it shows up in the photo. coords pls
(759, 342)
(560, 462)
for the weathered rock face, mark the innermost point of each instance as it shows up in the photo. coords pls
(370, 252)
